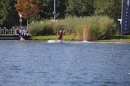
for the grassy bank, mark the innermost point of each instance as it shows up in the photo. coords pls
(123, 38)
(6, 34)
(119, 37)
(53, 37)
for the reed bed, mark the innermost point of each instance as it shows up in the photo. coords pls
(83, 28)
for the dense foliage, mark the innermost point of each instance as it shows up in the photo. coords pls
(8, 15)
(112, 8)
(27, 8)
(89, 28)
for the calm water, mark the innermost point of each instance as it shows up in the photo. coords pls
(38, 63)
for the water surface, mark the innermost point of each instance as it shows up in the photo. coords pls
(38, 63)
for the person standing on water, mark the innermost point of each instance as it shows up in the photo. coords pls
(60, 33)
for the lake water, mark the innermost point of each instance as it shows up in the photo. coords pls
(38, 63)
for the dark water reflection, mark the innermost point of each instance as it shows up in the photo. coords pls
(38, 63)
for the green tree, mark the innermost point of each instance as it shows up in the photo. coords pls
(80, 7)
(47, 8)
(8, 15)
(111, 8)
(61, 7)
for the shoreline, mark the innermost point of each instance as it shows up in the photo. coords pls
(72, 38)
(119, 41)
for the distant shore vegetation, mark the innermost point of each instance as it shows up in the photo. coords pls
(83, 28)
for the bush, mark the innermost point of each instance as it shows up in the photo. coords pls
(84, 28)
(99, 27)
(41, 28)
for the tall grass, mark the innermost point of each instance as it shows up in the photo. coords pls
(84, 28)
(97, 27)
(41, 28)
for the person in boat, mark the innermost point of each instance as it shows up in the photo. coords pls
(17, 31)
(25, 33)
(22, 33)
(60, 33)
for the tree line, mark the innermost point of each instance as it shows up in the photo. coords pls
(80, 8)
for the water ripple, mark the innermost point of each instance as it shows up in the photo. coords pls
(38, 63)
